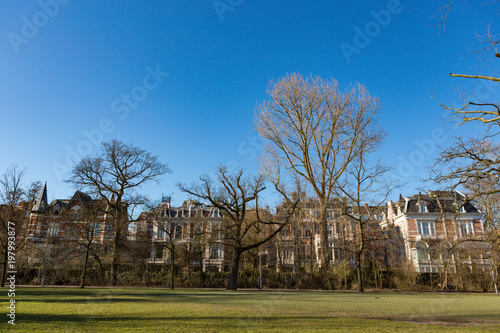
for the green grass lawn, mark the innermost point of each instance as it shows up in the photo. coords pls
(157, 310)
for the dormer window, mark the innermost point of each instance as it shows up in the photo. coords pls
(422, 207)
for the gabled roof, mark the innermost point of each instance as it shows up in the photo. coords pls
(81, 197)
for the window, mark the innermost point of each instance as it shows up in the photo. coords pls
(308, 232)
(214, 253)
(159, 252)
(422, 207)
(178, 232)
(161, 232)
(95, 228)
(466, 229)
(422, 251)
(299, 232)
(197, 230)
(329, 230)
(426, 228)
(53, 230)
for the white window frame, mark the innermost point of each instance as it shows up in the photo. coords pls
(426, 225)
(469, 227)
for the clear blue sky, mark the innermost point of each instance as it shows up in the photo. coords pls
(66, 70)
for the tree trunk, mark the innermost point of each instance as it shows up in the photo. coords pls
(386, 259)
(232, 282)
(85, 265)
(4, 266)
(324, 246)
(360, 273)
(172, 268)
(324, 253)
(116, 260)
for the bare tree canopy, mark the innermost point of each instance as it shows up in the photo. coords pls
(486, 112)
(118, 169)
(472, 158)
(315, 131)
(468, 160)
(246, 225)
(114, 175)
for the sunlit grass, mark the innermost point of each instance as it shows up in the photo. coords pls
(139, 310)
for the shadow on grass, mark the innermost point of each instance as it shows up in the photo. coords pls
(236, 321)
(118, 295)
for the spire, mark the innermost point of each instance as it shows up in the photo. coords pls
(111, 202)
(41, 201)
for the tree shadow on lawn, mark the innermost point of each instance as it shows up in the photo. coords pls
(244, 320)
(117, 295)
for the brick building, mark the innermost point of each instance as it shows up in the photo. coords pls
(439, 229)
(58, 230)
(193, 229)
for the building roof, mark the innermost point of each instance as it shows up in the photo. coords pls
(437, 202)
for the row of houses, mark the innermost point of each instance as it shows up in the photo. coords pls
(429, 231)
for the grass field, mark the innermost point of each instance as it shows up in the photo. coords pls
(159, 310)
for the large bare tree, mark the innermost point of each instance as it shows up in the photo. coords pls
(246, 225)
(114, 175)
(314, 131)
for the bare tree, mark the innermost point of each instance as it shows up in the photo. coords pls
(246, 225)
(169, 230)
(468, 160)
(114, 175)
(364, 190)
(315, 131)
(15, 202)
(486, 194)
(85, 230)
(474, 157)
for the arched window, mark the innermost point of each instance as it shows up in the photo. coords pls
(178, 232)
(422, 251)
